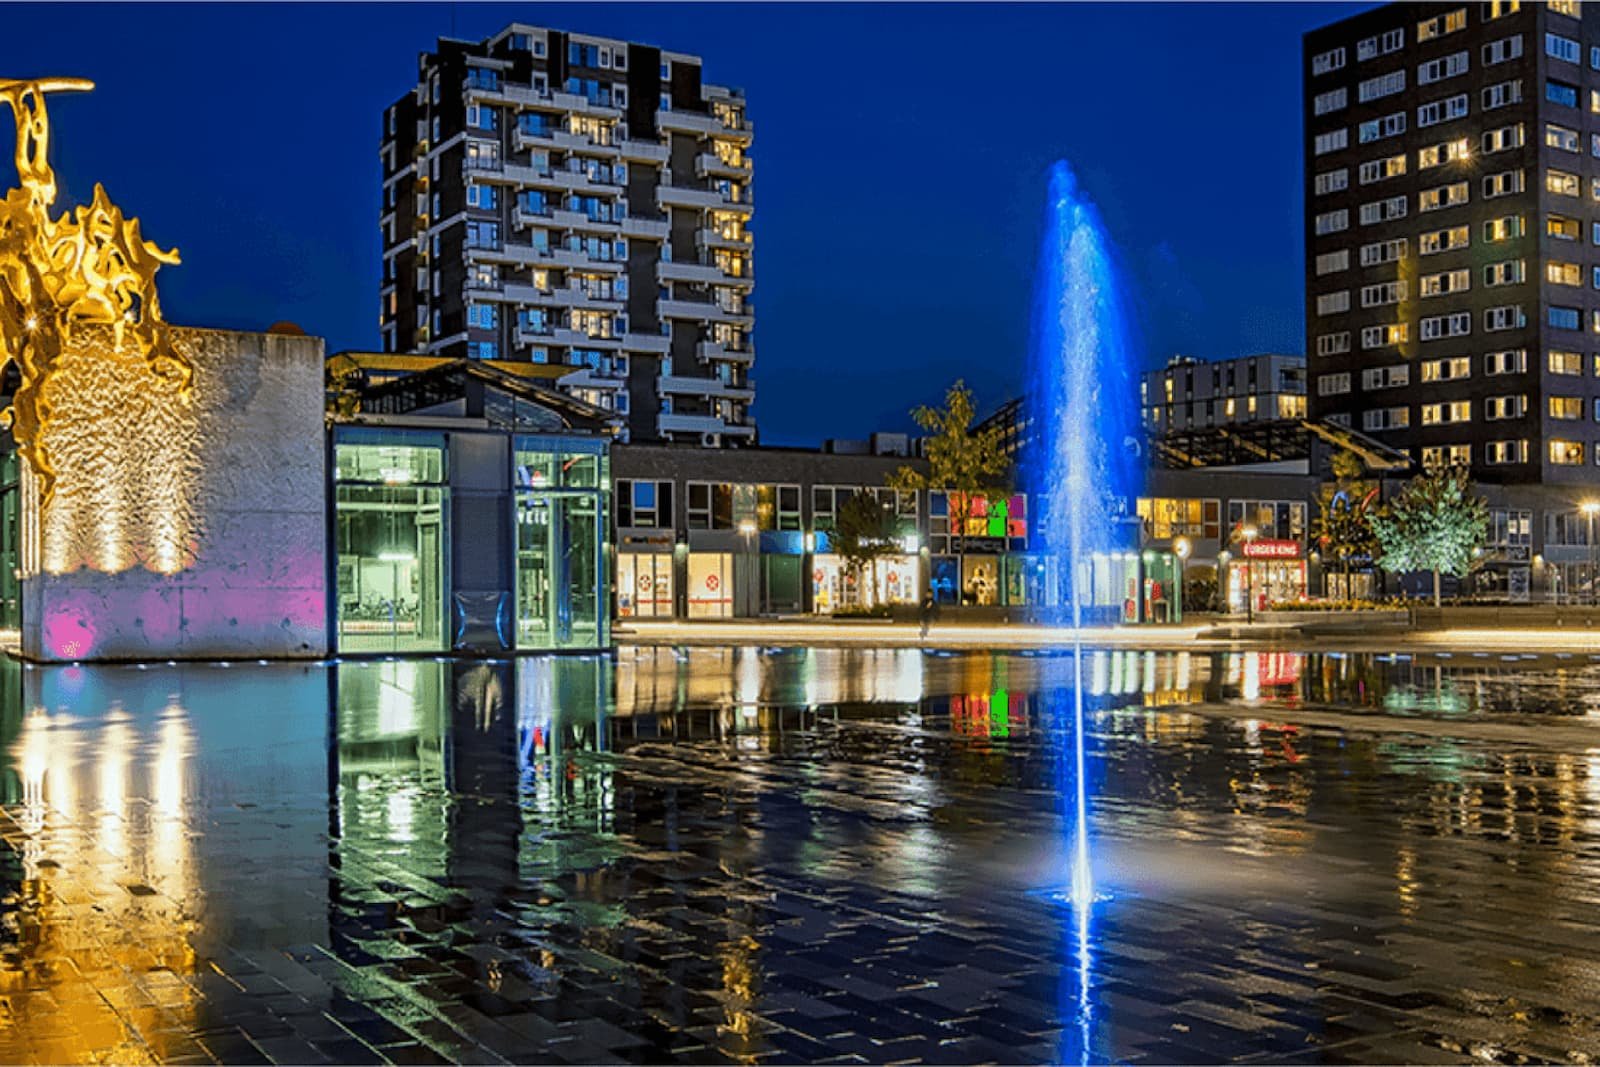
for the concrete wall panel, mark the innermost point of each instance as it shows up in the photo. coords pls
(184, 527)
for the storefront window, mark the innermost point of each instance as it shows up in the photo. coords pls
(560, 518)
(644, 585)
(710, 585)
(890, 580)
(389, 517)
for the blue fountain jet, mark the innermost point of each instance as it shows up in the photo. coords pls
(1085, 470)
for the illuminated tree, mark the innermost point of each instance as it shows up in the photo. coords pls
(1436, 524)
(970, 467)
(864, 531)
(1343, 526)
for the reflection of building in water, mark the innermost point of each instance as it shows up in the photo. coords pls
(391, 767)
(660, 681)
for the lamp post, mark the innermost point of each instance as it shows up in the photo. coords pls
(1590, 509)
(1180, 548)
(1248, 535)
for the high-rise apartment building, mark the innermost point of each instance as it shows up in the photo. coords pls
(1453, 233)
(581, 206)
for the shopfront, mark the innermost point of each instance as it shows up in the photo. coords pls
(1264, 573)
(710, 585)
(836, 587)
(644, 580)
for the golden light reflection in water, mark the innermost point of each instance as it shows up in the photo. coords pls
(116, 901)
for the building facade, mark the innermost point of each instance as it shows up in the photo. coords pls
(1452, 181)
(583, 204)
(1188, 394)
(469, 511)
(751, 532)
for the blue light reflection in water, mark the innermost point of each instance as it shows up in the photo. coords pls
(1085, 469)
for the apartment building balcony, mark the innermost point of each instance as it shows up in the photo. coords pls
(512, 254)
(578, 181)
(522, 217)
(563, 335)
(582, 105)
(577, 298)
(574, 259)
(701, 274)
(686, 385)
(656, 344)
(698, 273)
(582, 142)
(703, 311)
(577, 220)
(670, 422)
(700, 200)
(524, 139)
(711, 165)
(703, 125)
(527, 335)
(706, 239)
(591, 378)
(523, 293)
(523, 175)
(709, 351)
(645, 151)
(652, 229)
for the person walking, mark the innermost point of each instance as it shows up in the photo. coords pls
(929, 608)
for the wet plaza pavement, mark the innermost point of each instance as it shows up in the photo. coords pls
(802, 855)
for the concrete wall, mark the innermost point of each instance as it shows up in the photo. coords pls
(181, 526)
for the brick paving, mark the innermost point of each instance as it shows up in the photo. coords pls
(821, 857)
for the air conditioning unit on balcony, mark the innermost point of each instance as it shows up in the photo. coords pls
(711, 440)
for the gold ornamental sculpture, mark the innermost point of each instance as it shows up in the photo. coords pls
(87, 268)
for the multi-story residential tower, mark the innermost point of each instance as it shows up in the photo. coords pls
(1453, 233)
(583, 205)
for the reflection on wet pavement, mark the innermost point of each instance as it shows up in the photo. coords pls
(801, 854)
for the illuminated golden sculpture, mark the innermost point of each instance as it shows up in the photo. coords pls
(89, 268)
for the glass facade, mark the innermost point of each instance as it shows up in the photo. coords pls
(390, 537)
(561, 485)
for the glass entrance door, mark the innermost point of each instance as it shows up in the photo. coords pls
(559, 583)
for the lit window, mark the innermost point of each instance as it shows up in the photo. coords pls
(1566, 453)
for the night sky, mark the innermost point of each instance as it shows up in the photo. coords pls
(900, 157)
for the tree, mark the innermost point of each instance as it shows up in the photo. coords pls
(970, 467)
(1343, 526)
(1435, 524)
(864, 531)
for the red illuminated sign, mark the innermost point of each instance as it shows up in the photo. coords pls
(1271, 549)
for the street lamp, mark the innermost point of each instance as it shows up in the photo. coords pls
(1249, 534)
(1180, 548)
(1590, 508)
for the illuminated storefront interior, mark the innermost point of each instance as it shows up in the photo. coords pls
(560, 515)
(389, 502)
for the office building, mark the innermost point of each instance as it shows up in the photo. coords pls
(1452, 218)
(581, 205)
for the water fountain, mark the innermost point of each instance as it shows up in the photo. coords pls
(1085, 470)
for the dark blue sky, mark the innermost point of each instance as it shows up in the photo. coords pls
(900, 160)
